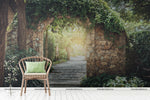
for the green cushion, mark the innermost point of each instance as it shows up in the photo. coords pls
(35, 67)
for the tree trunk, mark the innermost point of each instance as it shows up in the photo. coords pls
(21, 34)
(46, 43)
(57, 52)
(68, 53)
(3, 27)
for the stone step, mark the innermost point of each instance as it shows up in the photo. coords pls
(75, 76)
(66, 74)
(69, 67)
(78, 78)
(66, 79)
(65, 82)
(69, 71)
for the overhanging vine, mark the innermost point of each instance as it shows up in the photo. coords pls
(97, 11)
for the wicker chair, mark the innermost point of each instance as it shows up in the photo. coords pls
(35, 76)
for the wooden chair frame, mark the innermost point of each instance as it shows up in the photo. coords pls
(35, 76)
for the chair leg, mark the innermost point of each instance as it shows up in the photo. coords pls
(22, 86)
(48, 87)
(25, 86)
(45, 86)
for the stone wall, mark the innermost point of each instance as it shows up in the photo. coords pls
(103, 55)
(35, 37)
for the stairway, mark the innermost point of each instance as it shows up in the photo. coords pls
(68, 74)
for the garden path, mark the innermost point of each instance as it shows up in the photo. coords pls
(69, 73)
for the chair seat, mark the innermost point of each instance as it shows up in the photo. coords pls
(35, 75)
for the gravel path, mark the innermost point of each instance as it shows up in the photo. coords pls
(78, 61)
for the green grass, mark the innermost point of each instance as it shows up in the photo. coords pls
(59, 61)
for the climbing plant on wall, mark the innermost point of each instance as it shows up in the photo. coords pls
(97, 11)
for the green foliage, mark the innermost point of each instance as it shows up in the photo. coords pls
(51, 46)
(132, 27)
(56, 40)
(62, 54)
(111, 23)
(106, 80)
(131, 10)
(13, 73)
(124, 8)
(96, 10)
(141, 8)
(60, 23)
(124, 82)
(10, 70)
(141, 45)
(138, 55)
(59, 61)
(96, 81)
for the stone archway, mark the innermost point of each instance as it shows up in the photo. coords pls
(103, 55)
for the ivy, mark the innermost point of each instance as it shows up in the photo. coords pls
(97, 11)
(141, 45)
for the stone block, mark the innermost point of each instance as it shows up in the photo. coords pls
(102, 42)
(108, 45)
(98, 63)
(104, 63)
(112, 66)
(101, 71)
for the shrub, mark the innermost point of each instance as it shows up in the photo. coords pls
(106, 80)
(138, 56)
(125, 82)
(13, 74)
(96, 81)
(11, 71)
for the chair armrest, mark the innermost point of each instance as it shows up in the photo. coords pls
(49, 67)
(21, 69)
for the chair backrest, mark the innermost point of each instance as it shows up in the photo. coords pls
(22, 63)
